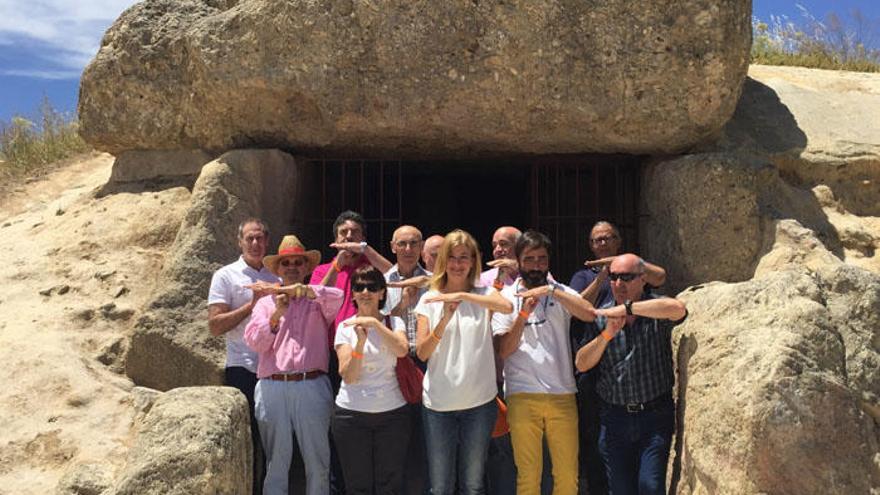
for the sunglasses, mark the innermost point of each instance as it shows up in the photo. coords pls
(603, 239)
(360, 286)
(625, 277)
(293, 261)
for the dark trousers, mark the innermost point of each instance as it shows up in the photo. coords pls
(591, 469)
(635, 448)
(372, 449)
(244, 380)
(415, 476)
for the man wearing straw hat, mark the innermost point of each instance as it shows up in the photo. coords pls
(293, 396)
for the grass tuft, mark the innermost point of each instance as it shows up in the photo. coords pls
(837, 43)
(28, 147)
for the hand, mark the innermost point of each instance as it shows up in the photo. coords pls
(344, 258)
(418, 282)
(261, 288)
(361, 332)
(444, 298)
(505, 265)
(529, 304)
(613, 325)
(537, 292)
(604, 262)
(449, 308)
(297, 291)
(408, 296)
(364, 322)
(618, 311)
(352, 247)
(282, 301)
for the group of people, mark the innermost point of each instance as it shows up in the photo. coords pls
(318, 363)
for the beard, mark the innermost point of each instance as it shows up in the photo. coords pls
(533, 278)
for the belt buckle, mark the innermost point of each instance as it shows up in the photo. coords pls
(634, 408)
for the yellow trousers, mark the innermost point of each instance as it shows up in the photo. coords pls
(531, 417)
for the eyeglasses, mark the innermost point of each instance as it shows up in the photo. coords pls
(604, 239)
(625, 277)
(370, 286)
(292, 261)
(406, 244)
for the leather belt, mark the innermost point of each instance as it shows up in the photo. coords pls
(296, 377)
(638, 407)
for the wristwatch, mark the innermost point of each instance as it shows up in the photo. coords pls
(363, 245)
(552, 289)
(629, 307)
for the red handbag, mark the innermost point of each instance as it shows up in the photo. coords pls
(409, 377)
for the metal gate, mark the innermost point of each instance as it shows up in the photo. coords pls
(565, 197)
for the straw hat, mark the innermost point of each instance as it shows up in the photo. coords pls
(290, 247)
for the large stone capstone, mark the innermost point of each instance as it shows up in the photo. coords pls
(417, 78)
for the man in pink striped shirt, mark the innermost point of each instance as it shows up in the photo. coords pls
(293, 396)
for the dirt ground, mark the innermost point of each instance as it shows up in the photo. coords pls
(78, 266)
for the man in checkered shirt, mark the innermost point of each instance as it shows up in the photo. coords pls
(632, 345)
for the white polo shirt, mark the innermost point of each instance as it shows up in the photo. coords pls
(461, 371)
(228, 287)
(542, 363)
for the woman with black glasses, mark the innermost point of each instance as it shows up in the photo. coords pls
(371, 413)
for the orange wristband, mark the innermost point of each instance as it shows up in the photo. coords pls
(357, 355)
(498, 285)
(605, 336)
(525, 314)
(335, 265)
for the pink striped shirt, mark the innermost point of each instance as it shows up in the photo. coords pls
(301, 341)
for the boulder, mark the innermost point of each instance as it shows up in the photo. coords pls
(193, 440)
(817, 126)
(712, 216)
(171, 345)
(779, 380)
(141, 165)
(416, 78)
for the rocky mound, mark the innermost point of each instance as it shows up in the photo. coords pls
(418, 78)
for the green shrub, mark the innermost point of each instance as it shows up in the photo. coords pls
(29, 146)
(836, 43)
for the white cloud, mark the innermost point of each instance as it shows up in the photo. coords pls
(54, 38)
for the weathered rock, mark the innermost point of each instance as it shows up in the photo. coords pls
(192, 440)
(85, 479)
(712, 216)
(171, 345)
(139, 165)
(778, 379)
(817, 126)
(417, 78)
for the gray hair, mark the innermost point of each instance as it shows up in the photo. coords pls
(258, 221)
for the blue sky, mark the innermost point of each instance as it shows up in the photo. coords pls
(45, 44)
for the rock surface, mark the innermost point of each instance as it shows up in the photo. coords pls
(779, 380)
(192, 440)
(416, 78)
(171, 346)
(141, 165)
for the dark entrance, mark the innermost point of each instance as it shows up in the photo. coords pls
(561, 196)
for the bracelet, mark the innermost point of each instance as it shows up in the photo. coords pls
(525, 314)
(552, 289)
(356, 354)
(363, 245)
(435, 337)
(336, 266)
(498, 284)
(605, 336)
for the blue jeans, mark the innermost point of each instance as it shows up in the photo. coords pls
(635, 448)
(458, 441)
